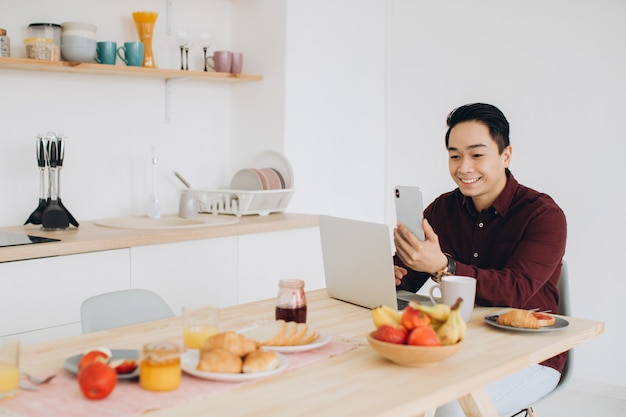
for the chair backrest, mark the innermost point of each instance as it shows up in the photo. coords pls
(565, 309)
(122, 308)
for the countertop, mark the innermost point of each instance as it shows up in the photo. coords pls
(89, 237)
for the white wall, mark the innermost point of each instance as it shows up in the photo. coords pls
(555, 68)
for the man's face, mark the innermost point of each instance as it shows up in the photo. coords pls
(475, 164)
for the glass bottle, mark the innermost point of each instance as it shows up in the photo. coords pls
(160, 367)
(291, 301)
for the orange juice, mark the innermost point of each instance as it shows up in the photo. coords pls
(194, 336)
(9, 379)
(160, 367)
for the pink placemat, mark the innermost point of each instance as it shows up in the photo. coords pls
(62, 397)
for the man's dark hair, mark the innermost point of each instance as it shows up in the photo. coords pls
(487, 114)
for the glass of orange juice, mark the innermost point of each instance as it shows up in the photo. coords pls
(9, 367)
(199, 323)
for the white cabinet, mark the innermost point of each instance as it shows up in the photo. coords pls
(265, 258)
(43, 296)
(198, 271)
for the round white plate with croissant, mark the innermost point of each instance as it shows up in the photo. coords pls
(526, 321)
(286, 337)
(191, 358)
(231, 357)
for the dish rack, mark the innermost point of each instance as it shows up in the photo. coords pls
(242, 202)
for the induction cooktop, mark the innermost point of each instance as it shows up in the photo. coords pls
(16, 239)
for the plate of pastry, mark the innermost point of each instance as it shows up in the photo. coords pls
(287, 337)
(526, 321)
(263, 366)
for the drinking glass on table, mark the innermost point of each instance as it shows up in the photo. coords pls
(9, 367)
(199, 323)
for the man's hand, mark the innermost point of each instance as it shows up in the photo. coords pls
(399, 273)
(421, 256)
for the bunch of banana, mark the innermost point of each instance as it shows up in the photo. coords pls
(454, 328)
(386, 315)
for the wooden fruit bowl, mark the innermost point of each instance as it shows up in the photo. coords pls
(408, 355)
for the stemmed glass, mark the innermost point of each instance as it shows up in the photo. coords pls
(205, 43)
(187, 47)
(185, 39)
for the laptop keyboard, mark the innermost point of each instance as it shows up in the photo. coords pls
(402, 304)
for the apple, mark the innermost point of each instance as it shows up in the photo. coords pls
(423, 336)
(413, 318)
(391, 334)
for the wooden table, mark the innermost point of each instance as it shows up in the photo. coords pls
(356, 383)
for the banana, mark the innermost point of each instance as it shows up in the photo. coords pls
(437, 312)
(453, 329)
(386, 315)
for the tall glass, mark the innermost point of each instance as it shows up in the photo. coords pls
(9, 367)
(145, 22)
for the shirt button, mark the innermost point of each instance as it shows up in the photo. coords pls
(481, 224)
(475, 254)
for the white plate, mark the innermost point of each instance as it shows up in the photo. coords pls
(321, 341)
(276, 160)
(71, 363)
(189, 363)
(559, 323)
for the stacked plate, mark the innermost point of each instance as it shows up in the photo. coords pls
(271, 171)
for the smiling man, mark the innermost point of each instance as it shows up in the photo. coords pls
(509, 237)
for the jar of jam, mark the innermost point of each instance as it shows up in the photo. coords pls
(291, 301)
(160, 367)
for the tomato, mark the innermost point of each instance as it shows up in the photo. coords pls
(97, 380)
(92, 356)
(123, 366)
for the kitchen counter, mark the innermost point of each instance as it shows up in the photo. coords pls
(92, 238)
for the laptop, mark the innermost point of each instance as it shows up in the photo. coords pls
(358, 263)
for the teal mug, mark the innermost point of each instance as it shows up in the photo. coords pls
(132, 53)
(106, 52)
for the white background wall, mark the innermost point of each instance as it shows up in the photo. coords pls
(355, 93)
(555, 68)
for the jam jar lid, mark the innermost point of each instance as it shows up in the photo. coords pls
(160, 351)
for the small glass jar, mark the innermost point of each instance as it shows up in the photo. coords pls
(5, 44)
(160, 367)
(291, 301)
(49, 31)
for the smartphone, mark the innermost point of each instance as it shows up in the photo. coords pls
(409, 209)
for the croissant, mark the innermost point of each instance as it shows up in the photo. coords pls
(518, 318)
(233, 341)
(220, 360)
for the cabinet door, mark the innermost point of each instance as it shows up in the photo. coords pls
(265, 258)
(45, 293)
(191, 272)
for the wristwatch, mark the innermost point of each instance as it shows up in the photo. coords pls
(449, 269)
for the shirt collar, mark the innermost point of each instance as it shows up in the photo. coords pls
(502, 203)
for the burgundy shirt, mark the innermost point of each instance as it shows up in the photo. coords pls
(514, 248)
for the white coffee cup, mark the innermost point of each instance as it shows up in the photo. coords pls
(453, 287)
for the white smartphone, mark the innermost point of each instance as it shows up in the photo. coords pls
(409, 209)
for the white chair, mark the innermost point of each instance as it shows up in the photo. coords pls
(122, 308)
(564, 309)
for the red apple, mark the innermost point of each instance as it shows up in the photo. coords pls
(413, 318)
(423, 336)
(391, 334)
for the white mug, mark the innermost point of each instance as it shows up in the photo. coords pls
(453, 287)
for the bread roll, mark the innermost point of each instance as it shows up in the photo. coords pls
(518, 318)
(260, 361)
(233, 341)
(220, 360)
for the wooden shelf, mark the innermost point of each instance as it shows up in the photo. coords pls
(23, 64)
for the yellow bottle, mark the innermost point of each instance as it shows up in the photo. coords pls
(160, 367)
